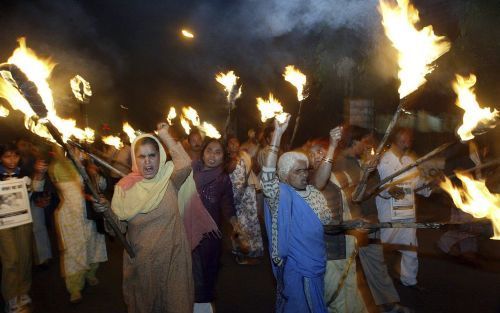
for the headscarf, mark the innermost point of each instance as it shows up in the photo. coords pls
(134, 194)
(197, 221)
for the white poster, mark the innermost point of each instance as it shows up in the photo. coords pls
(14, 203)
(403, 208)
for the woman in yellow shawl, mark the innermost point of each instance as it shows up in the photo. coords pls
(159, 278)
(82, 247)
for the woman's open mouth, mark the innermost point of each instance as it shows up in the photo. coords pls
(148, 169)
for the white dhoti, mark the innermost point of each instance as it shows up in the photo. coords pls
(405, 239)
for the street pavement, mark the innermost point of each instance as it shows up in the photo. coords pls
(450, 285)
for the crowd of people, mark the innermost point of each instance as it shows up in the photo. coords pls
(180, 199)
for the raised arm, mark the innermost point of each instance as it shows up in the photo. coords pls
(269, 179)
(182, 162)
(322, 174)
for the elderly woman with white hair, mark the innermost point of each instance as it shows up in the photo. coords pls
(295, 213)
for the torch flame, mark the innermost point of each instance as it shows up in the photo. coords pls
(37, 128)
(75, 83)
(113, 141)
(129, 131)
(171, 115)
(417, 49)
(372, 151)
(185, 125)
(229, 82)
(281, 117)
(38, 71)
(4, 112)
(297, 79)
(475, 199)
(269, 108)
(474, 115)
(191, 114)
(210, 130)
(89, 135)
(187, 33)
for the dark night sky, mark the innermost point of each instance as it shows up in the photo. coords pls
(133, 55)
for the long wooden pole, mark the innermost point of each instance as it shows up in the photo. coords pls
(97, 159)
(421, 160)
(358, 193)
(296, 126)
(93, 190)
(472, 169)
(30, 92)
(340, 228)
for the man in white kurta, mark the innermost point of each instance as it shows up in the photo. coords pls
(397, 203)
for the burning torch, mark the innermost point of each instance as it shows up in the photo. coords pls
(29, 91)
(229, 81)
(82, 92)
(417, 51)
(298, 80)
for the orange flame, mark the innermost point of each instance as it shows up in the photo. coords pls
(171, 115)
(186, 33)
(185, 125)
(75, 87)
(417, 49)
(210, 130)
(475, 199)
(229, 82)
(474, 115)
(190, 114)
(89, 135)
(297, 79)
(129, 131)
(38, 71)
(114, 141)
(269, 108)
(4, 112)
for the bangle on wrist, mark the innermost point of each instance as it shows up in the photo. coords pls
(327, 160)
(273, 148)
